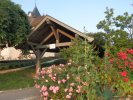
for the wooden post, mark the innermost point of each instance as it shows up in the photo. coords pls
(0, 54)
(38, 62)
(39, 54)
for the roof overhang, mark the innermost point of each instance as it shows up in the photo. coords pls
(47, 31)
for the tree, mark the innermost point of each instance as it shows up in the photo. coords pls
(107, 23)
(125, 22)
(119, 29)
(14, 25)
(119, 40)
(100, 38)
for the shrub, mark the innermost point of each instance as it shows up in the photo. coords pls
(86, 76)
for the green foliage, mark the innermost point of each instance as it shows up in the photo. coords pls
(93, 78)
(120, 29)
(107, 23)
(125, 22)
(14, 25)
(6, 65)
(100, 37)
(79, 51)
(119, 40)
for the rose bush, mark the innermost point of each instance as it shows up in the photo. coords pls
(86, 76)
(123, 62)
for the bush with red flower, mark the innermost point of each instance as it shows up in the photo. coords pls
(86, 76)
(123, 62)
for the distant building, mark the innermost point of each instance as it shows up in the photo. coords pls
(10, 53)
(48, 34)
(35, 13)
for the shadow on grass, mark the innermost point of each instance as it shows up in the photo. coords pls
(17, 80)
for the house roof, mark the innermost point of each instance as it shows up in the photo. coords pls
(43, 29)
(47, 30)
(35, 21)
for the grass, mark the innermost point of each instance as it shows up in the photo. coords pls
(23, 78)
(17, 80)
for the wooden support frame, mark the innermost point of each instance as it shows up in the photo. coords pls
(31, 43)
(53, 30)
(55, 34)
(56, 45)
(39, 54)
(50, 35)
(66, 34)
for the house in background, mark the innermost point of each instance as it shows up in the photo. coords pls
(10, 53)
(49, 35)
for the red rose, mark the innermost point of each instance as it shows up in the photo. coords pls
(126, 63)
(120, 67)
(131, 67)
(122, 55)
(131, 84)
(111, 61)
(124, 73)
(125, 79)
(130, 51)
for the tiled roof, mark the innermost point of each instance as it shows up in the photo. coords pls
(35, 21)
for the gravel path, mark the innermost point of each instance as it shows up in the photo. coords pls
(21, 94)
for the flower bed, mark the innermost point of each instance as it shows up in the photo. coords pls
(86, 76)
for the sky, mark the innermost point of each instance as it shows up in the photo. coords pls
(78, 13)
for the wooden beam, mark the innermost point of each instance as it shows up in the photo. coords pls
(33, 48)
(66, 34)
(56, 45)
(43, 46)
(55, 34)
(58, 37)
(38, 61)
(63, 44)
(52, 33)
(39, 54)
(31, 43)
(42, 53)
(53, 30)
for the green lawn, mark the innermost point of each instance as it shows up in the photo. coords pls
(23, 78)
(17, 80)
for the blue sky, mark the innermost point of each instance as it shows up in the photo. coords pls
(78, 13)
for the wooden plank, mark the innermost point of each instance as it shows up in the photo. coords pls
(58, 37)
(63, 44)
(43, 46)
(53, 30)
(45, 39)
(31, 43)
(66, 34)
(56, 45)
(38, 61)
(55, 34)
(42, 53)
(33, 48)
